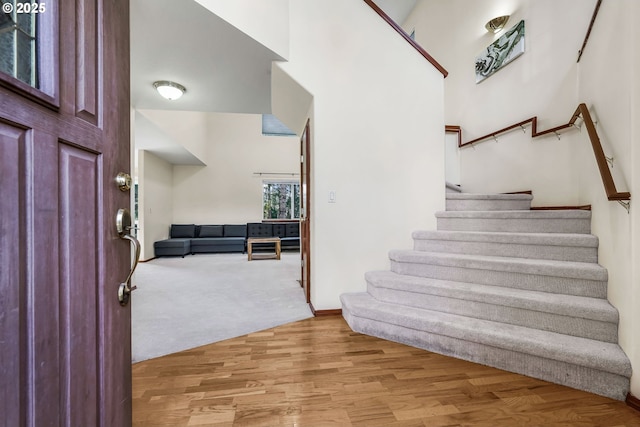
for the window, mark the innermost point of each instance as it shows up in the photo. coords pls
(280, 200)
(271, 126)
(18, 40)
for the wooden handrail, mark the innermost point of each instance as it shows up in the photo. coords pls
(403, 33)
(586, 37)
(582, 110)
(534, 131)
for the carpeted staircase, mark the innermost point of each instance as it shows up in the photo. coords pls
(505, 286)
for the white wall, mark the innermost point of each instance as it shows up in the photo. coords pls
(547, 82)
(155, 190)
(541, 82)
(452, 159)
(265, 21)
(377, 141)
(608, 82)
(290, 102)
(227, 191)
(186, 129)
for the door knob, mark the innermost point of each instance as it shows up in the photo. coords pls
(123, 226)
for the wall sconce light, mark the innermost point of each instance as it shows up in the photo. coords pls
(497, 24)
(169, 90)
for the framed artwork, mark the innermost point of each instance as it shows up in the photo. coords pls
(501, 52)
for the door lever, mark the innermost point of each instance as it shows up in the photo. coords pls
(123, 226)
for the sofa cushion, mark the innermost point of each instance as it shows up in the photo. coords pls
(173, 243)
(217, 244)
(232, 230)
(210, 231)
(217, 241)
(172, 247)
(290, 242)
(183, 231)
(279, 230)
(293, 229)
(259, 229)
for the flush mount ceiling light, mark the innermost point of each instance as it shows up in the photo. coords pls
(169, 90)
(497, 24)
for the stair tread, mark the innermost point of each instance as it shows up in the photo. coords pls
(572, 269)
(522, 214)
(589, 353)
(549, 239)
(485, 196)
(568, 305)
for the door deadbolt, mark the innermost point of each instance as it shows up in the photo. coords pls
(124, 181)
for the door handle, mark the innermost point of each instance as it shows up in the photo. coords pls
(123, 226)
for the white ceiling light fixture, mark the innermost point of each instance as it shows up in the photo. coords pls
(497, 24)
(169, 90)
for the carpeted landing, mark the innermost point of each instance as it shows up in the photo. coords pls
(181, 303)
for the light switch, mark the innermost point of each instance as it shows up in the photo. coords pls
(332, 196)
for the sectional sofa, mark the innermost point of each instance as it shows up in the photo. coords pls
(187, 239)
(288, 232)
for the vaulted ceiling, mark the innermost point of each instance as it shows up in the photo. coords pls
(223, 69)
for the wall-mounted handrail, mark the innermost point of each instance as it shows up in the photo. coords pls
(403, 33)
(607, 179)
(522, 124)
(586, 37)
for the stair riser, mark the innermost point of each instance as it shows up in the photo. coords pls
(488, 205)
(558, 253)
(547, 321)
(517, 225)
(534, 282)
(580, 377)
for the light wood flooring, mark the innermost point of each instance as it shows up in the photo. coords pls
(317, 372)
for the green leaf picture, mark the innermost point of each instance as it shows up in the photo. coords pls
(501, 52)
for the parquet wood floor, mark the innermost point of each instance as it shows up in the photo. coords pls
(317, 372)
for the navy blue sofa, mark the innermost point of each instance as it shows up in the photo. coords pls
(187, 239)
(178, 243)
(192, 239)
(219, 238)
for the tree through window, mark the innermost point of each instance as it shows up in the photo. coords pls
(280, 200)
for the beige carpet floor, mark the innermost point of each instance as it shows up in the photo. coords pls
(181, 303)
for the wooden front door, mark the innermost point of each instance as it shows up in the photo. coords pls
(64, 136)
(305, 197)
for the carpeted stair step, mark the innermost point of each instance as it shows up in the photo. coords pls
(572, 278)
(585, 364)
(556, 246)
(487, 202)
(518, 221)
(585, 317)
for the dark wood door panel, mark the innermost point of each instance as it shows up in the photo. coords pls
(88, 18)
(13, 274)
(65, 351)
(78, 242)
(49, 298)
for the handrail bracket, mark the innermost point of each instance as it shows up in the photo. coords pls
(609, 160)
(625, 204)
